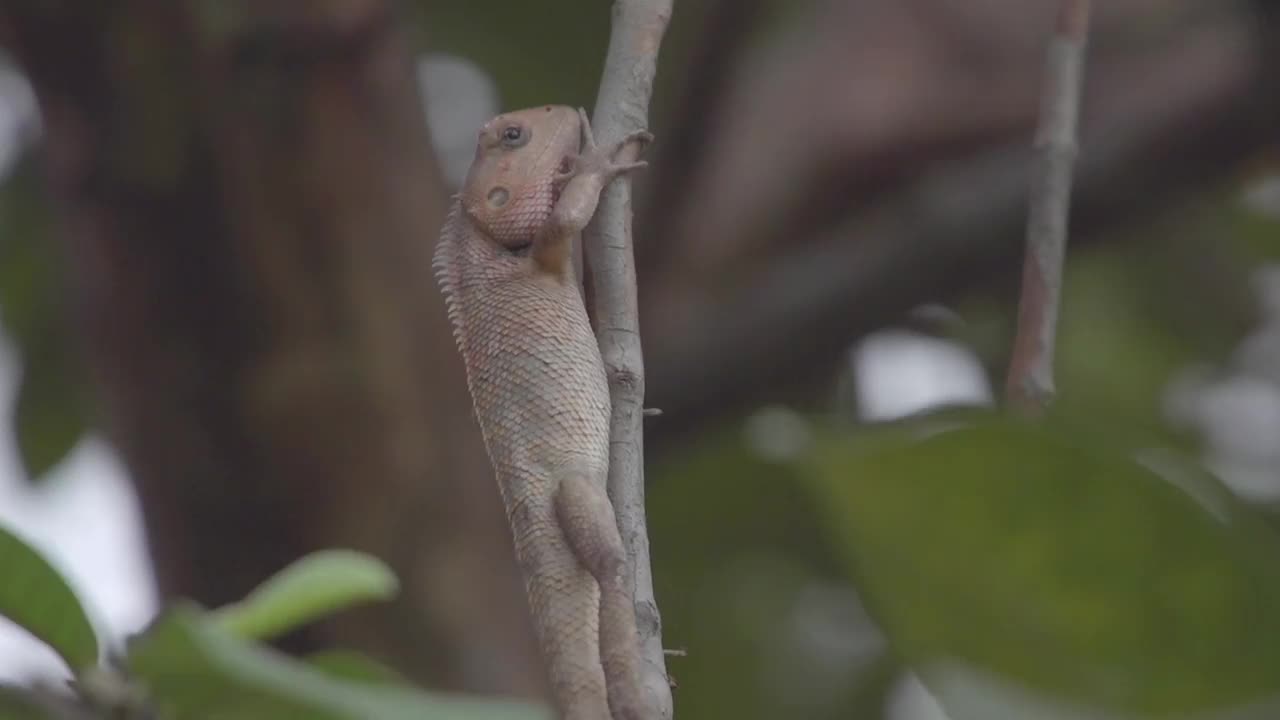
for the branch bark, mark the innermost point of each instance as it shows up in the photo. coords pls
(1030, 387)
(622, 106)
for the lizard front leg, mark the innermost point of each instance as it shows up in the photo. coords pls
(593, 169)
(586, 518)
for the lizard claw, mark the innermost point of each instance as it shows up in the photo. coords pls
(588, 136)
(640, 138)
(593, 159)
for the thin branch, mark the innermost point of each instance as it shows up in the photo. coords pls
(622, 107)
(1030, 383)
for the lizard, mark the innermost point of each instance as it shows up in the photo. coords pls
(504, 263)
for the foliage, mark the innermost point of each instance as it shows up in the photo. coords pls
(49, 414)
(36, 597)
(196, 664)
(1020, 570)
(1069, 571)
(310, 588)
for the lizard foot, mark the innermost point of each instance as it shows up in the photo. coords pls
(604, 161)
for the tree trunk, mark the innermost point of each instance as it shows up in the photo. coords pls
(249, 205)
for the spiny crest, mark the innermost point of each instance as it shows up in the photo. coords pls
(443, 264)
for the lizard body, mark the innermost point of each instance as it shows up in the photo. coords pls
(504, 263)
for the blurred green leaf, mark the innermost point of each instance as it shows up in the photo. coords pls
(349, 665)
(1258, 231)
(321, 583)
(753, 590)
(28, 703)
(36, 597)
(15, 706)
(193, 668)
(1069, 571)
(46, 416)
(49, 414)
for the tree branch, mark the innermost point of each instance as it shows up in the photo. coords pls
(622, 107)
(1030, 387)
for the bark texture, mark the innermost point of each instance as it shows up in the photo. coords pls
(622, 107)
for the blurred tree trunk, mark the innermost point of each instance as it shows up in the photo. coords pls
(249, 204)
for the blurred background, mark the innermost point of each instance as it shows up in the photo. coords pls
(222, 346)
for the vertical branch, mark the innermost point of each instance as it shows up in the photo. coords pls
(1030, 383)
(622, 107)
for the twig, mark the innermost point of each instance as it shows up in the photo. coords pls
(622, 107)
(1030, 383)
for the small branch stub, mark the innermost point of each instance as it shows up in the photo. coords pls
(1030, 386)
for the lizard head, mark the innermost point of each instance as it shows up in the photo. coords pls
(518, 172)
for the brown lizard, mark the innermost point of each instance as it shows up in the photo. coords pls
(504, 263)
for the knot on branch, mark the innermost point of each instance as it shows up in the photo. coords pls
(648, 619)
(623, 378)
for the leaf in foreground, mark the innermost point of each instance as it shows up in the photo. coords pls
(193, 668)
(1014, 554)
(48, 414)
(321, 583)
(36, 597)
(16, 704)
(350, 665)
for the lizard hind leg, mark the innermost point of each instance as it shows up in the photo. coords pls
(587, 520)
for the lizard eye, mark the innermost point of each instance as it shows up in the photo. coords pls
(514, 136)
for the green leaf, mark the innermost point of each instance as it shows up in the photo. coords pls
(36, 597)
(16, 705)
(349, 665)
(321, 583)
(50, 413)
(1010, 556)
(194, 669)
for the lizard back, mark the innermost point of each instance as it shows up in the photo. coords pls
(533, 366)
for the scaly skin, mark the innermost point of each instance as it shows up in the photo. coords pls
(504, 263)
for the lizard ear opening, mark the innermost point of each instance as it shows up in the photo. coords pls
(498, 197)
